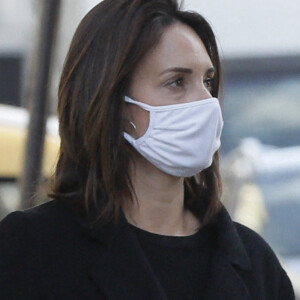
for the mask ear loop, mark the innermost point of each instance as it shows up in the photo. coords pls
(129, 138)
(133, 125)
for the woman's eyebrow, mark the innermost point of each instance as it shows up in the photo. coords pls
(177, 69)
(185, 70)
(211, 70)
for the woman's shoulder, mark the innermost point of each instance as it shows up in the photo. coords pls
(36, 221)
(258, 250)
(261, 254)
(46, 238)
(256, 246)
(251, 238)
(237, 238)
(248, 246)
(264, 261)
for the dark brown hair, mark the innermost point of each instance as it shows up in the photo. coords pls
(93, 170)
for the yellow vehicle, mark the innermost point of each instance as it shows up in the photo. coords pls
(13, 124)
(13, 132)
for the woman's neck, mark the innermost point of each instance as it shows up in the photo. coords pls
(160, 207)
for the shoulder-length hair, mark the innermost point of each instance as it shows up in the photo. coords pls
(93, 169)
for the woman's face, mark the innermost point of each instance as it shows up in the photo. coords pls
(177, 70)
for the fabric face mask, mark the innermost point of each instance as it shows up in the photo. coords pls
(181, 139)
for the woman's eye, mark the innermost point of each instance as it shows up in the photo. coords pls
(208, 83)
(178, 83)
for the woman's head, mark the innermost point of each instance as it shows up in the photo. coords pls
(108, 49)
(177, 70)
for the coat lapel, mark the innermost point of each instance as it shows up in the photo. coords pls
(122, 271)
(229, 256)
(225, 283)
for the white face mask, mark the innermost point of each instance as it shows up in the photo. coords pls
(181, 138)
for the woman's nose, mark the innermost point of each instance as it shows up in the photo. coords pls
(201, 92)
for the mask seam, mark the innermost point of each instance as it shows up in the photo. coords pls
(183, 106)
(149, 108)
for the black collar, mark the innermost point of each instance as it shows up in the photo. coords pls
(228, 241)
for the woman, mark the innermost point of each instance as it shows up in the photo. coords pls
(135, 210)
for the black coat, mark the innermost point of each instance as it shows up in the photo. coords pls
(47, 252)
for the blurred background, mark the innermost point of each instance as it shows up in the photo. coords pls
(260, 49)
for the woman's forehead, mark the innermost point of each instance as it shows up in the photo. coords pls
(179, 46)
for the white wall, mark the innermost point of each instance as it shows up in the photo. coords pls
(243, 27)
(16, 20)
(250, 27)
(256, 27)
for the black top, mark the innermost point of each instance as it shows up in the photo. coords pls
(180, 263)
(48, 253)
